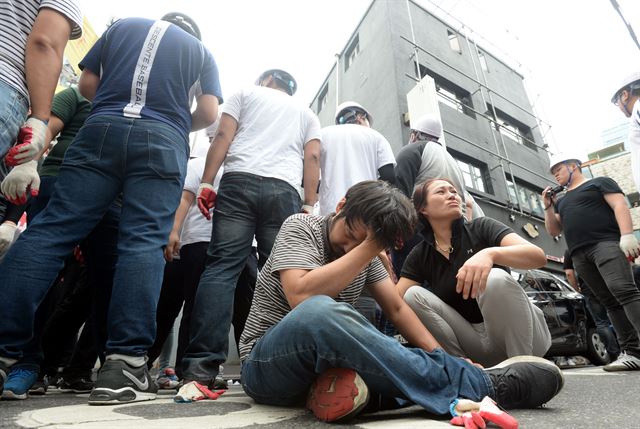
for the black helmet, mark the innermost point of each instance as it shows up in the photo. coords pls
(285, 79)
(184, 22)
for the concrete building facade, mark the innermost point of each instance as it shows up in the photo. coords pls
(488, 121)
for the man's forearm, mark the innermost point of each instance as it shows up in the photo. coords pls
(412, 329)
(330, 279)
(311, 172)
(43, 59)
(623, 218)
(186, 200)
(551, 223)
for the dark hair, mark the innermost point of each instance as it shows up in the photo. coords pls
(382, 208)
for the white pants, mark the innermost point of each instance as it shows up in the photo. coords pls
(512, 325)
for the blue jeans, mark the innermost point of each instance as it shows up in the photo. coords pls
(606, 271)
(13, 111)
(320, 334)
(145, 161)
(247, 205)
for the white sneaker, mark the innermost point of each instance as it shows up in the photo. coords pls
(625, 362)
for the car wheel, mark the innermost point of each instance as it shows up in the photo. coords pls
(596, 350)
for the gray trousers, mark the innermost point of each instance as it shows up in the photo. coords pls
(512, 325)
(606, 271)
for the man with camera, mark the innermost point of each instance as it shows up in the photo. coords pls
(597, 226)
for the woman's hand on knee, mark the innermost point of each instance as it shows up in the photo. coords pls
(472, 276)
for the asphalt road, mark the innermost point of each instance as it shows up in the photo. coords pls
(591, 398)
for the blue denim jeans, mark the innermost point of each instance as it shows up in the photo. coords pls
(247, 205)
(320, 334)
(145, 161)
(13, 111)
(606, 271)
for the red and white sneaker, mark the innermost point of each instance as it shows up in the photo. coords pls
(337, 394)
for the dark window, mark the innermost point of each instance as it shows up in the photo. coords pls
(351, 53)
(512, 129)
(528, 197)
(474, 173)
(449, 93)
(322, 98)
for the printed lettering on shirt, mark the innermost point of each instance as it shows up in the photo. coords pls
(140, 81)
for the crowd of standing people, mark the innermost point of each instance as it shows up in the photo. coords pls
(234, 236)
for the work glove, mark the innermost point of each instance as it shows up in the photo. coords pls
(308, 209)
(7, 233)
(629, 246)
(206, 199)
(474, 415)
(31, 141)
(22, 179)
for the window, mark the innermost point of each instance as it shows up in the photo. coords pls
(530, 199)
(634, 199)
(454, 43)
(322, 98)
(351, 53)
(512, 129)
(450, 94)
(472, 176)
(483, 61)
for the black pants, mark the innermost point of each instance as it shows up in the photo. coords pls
(180, 283)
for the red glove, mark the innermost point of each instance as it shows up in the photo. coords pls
(31, 141)
(206, 199)
(468, 413)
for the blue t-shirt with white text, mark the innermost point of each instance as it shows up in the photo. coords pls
(150, 69)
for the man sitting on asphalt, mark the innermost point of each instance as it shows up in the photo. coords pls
(303, 336)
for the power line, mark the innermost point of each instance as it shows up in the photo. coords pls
(617, 8)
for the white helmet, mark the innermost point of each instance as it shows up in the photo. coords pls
(630, 81)
(346, 113)
(429, 124)
(561, 157)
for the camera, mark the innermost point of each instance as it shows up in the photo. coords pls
(551, 192)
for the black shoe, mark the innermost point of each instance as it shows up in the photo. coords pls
(40, 387)
(219, 383)
(75, 384)
(525, 382)
(119, 383)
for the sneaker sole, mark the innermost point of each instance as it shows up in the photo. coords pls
(334, 408)
(621, 368)
(104, 396)
(8, 394)
(65, 390)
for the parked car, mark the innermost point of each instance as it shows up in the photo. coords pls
(573, 331)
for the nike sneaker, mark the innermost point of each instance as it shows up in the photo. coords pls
(120, 383)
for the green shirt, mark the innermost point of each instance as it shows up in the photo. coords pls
(72, 109)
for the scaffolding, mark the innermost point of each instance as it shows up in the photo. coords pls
(487, 94)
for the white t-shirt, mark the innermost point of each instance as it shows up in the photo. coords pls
(349, 154)
(273, 129)
(196, 228)
(17, 21)
(634, 143)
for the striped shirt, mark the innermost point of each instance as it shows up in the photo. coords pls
(302, 243)
(16, 21)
